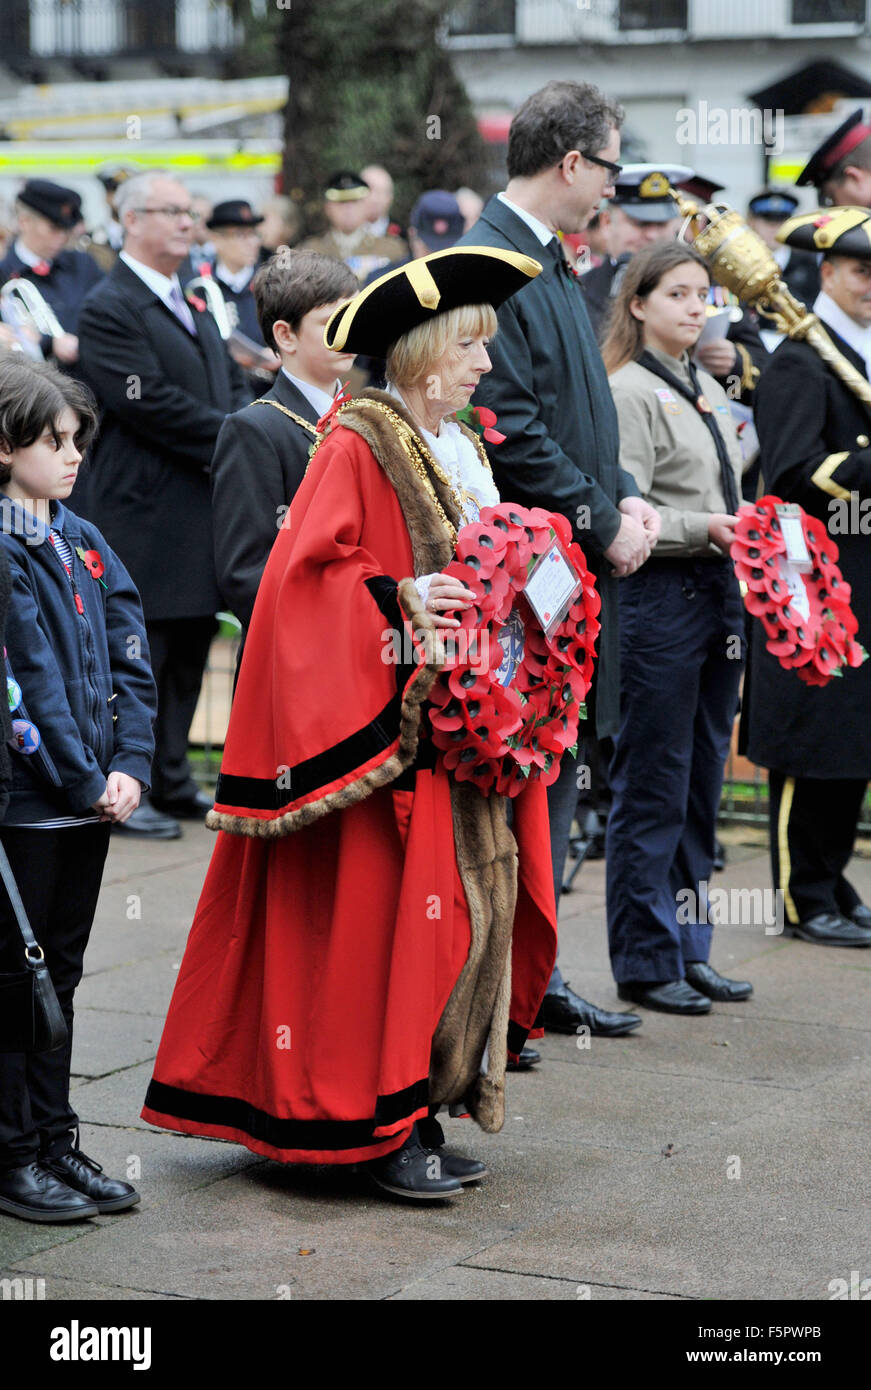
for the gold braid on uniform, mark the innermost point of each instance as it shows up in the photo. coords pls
(749, 373)
(419, 456)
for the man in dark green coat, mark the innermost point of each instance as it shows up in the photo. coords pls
(550, 393)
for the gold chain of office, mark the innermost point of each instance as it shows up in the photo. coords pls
(422, 460)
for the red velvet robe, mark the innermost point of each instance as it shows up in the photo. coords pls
(320, 961)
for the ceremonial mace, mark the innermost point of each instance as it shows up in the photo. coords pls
(739, 260)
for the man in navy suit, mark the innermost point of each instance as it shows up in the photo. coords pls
(159, 369)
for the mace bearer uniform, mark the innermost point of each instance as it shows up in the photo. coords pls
(814, 436)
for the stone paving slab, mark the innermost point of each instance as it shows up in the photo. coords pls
(580, 1193)
(104, 1040)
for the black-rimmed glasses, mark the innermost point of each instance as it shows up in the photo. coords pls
(615, 170)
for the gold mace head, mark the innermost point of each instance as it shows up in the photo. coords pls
(736, 256)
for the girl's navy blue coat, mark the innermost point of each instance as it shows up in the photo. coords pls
(85, 677)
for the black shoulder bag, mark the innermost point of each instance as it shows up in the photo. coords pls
(30, 1015)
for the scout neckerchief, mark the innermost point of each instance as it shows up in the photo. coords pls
(297, 419)
(695, 394)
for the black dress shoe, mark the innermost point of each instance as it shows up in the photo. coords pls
(85, 1176)
(463, 1169)
(705, 979)
(667, 997)
(195, 807)
(35, 1194)
(563, 1011)
(411, 1172)
(830, 929)
(149, 823)
(528, 1058)
(719, 860)
(861, 915)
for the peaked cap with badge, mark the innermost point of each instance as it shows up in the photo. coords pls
(345, 187)
(643, 191)
(827, 156)
(415, 293)
(773, 204)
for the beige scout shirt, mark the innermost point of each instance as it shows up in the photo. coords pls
(667, 447)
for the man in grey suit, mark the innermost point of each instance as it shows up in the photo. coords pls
(549, 390)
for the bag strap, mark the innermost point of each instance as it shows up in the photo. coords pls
(30, 941)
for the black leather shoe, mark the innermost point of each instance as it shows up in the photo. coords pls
(861, 915)
(150, 823)
(35, 1194)
(667, 997)
(194, 807)
(705, 980)
(84, 1175)
(528, 1059)
(563, 1011)
(463, 1169)
(830, 929)
(412, 1172)
(719, 860)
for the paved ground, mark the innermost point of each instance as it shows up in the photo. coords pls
(713, 1158)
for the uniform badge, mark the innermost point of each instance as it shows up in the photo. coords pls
(667, 401)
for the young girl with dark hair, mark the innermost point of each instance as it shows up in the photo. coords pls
(681, 639)
(83, 703)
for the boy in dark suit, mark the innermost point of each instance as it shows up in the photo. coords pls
(262, 451)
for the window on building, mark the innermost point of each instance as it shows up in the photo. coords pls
(471, 17)
(828, 11)
(664, 14)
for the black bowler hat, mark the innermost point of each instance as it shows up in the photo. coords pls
(62, 206)
(773, 203)
(829, 154)
(841, 231)
(345, 187)
(235, 213)
(643, 191)
(416, 292)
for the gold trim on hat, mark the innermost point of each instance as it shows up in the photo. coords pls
(834, 222)
(344, 317)
(346, 195)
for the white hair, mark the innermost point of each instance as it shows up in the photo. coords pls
(134, 192)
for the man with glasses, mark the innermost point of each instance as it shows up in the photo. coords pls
(159, 369)
(549, 390)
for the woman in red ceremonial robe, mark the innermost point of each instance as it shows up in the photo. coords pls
(349, 969)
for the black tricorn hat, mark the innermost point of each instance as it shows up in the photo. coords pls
(234, 213)
(60, 205)
(416, 292)
(836, 147)
(834, 231)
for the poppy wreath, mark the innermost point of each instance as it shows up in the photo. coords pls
(500, 736)
(817, 647)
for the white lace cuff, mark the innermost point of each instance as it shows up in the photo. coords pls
(422, 585)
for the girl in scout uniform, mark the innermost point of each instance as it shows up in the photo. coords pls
(681, 637)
